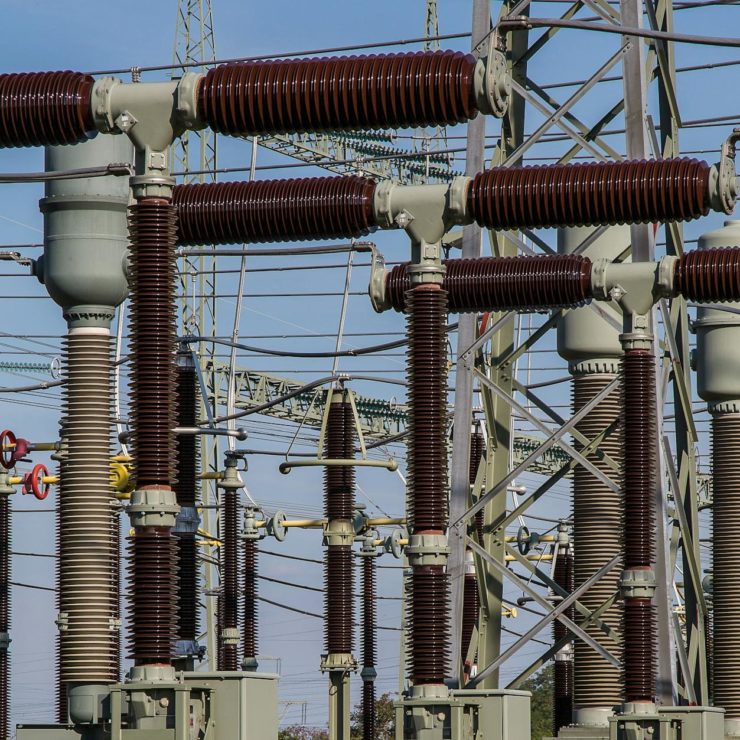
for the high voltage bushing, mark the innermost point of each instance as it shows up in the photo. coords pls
(188, 519)
(249, 605)
(707, 275)
(477, 448)
(427, 508)
(368, 554)
(153, 507)
(274, 210)
(45, 108)
(6, 535)
(639, 480)
(504, 283)
(563, 669)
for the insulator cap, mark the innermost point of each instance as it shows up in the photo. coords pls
(405, 90)
(275, 210)
(590, 194)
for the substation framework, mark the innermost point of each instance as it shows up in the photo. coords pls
(652, 296)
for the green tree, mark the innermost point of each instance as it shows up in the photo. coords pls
(541, 687)
(385, 719)
(298, 732)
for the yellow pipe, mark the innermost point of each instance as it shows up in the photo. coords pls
(544, 538)
(218, 475)
(535, 558)
(385, 521)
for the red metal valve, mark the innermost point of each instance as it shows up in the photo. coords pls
(12, 449)
(33, 482)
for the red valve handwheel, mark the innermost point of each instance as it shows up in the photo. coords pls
(39, 489)
(7, 454)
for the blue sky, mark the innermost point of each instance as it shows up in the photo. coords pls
(88, 35)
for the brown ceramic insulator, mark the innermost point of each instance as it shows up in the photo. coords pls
(339, 580)
(639, 663)
(249, 619)
(187, 587)
(230, 576)
(339, 480)
(426, 374)
(709, 648)
(477, 448)
(60, 687)
(506, 283)
(187, 444)
(274, 210)
(152, 595)
(5, 612)
(471, 605)
(709, 275)
(563, 669)
(152, 225)
(725, 561)
(429, 622)
(597, 537)
(45, 108)
(640, 457)
(369, 650)
(404, 90)
(590, 194)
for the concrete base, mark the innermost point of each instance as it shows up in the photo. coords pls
(465, 715)
(197, 706)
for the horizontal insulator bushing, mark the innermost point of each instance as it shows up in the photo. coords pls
(334, 93)
(726, 561)
(590, 194)
(505, 283)
(709, 275)
(45, 108)
(274, 210)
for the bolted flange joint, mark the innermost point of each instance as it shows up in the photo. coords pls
(492, 82)
(376, 287)
(250, 530)
(4, 642)
(340, 662)
(230, 636)
(427, 549)
(637, 334)
(339, 532)
(637, 584)
(368, 545)
(153, 507)
(187, 521)
(368, 674)
(153, 185)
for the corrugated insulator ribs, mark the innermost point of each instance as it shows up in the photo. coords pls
(369, 620)
(708, 275)
(563, 673)
(339, 485)
(640, 464)
(426, 374)
(274, 210)
(590, 194)
(5, 613)
(152, 595)
(505, 283)
(45, 108)
(477, 448)
(726, 556)
(249, 621)
(335, 93)
(471, 605)
(230, 578)
(186, 487)
(152, 225)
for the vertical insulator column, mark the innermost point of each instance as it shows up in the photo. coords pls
(249, 618)
(369, 620)
(152, 592)
(597, 525)
(428, 515)
(640, 465)
(88, 531)
(563, 672)
(477, 448)
(726, 558)
(187, 520)
(6, 534)
(229, 582)
(339, 485)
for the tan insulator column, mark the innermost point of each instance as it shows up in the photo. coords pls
(591, 346)
(718, 383)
